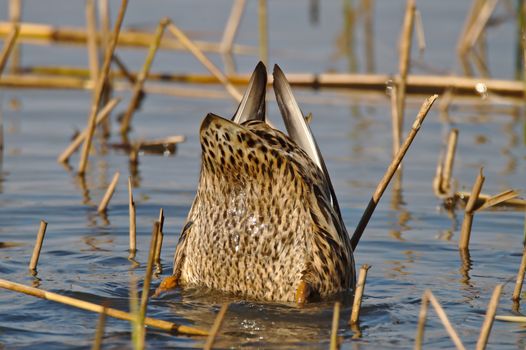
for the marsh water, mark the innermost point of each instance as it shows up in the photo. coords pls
(411, 241)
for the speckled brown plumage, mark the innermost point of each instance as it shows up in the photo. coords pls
(262, 219)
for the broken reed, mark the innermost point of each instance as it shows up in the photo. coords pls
(485, 330)
(520, 278)
(358, 293)
(194, 49)
(132, 215)
(335, 343)
(427, 298)
(99, 88)
(9, 44)
(75, 144)
(424, 109)
(215, 327)
(88, 306)
(159, 245)
(141, 78)
(469, 212)
(490, 317)
(38, 246)
(99, 332)
(70, 78)
(109, 193)
(31, 32)
(404, 59)
(147, 280)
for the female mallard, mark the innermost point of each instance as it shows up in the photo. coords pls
(265, 223)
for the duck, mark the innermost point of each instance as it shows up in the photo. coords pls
(265, 224)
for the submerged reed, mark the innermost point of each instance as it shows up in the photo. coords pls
(469, 212)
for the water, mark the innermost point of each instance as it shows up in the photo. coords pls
(410, 242)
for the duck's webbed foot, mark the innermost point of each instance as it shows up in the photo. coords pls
(170, 282)
(302, 293)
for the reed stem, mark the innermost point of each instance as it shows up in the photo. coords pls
(446, 186)
(194, 49)
(109, 193)
(227, 42)
(445, 321)
(99, 332)
(148, 274)
(38, 246)
(358, 293)
(215, 327)
(75, 144)
(263, 31)
(159, 245)
(335, 344)
(133, 231)
(9, 44)
(99, 88)
(143, 75)
(85, 305)
(469, 212)
(405, 57)
(490, 317)
(422, 316)
(91, 30)
(390, 171)
(520, 278)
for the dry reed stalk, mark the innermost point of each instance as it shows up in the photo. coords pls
(508, 200)
(227, 42)
(194, 49)
(75, 144)
(215, 327)
(465, 232)
(478, 25)
(104, 22)
(15, 14)
(497, 199)
(420, 34)
(99, 332)
(143, 75)
(395, 120)
(149, 268)
(136, 324)
(518, 319)
(91, 30)
(422, 316)
(445, 185)
(99, 88)
(490, 317)
(358, 293)
(109, 193)
(85, 305)
(133, 231)
(263, 31)
(335, 344)
(391, 170)
(416, 84)
(404, 58)
(124, 70)
(38, 246)
(159, 245)
(445, 321)
(520, 278)
(33, 32)
(9, 44)
(468, 22)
